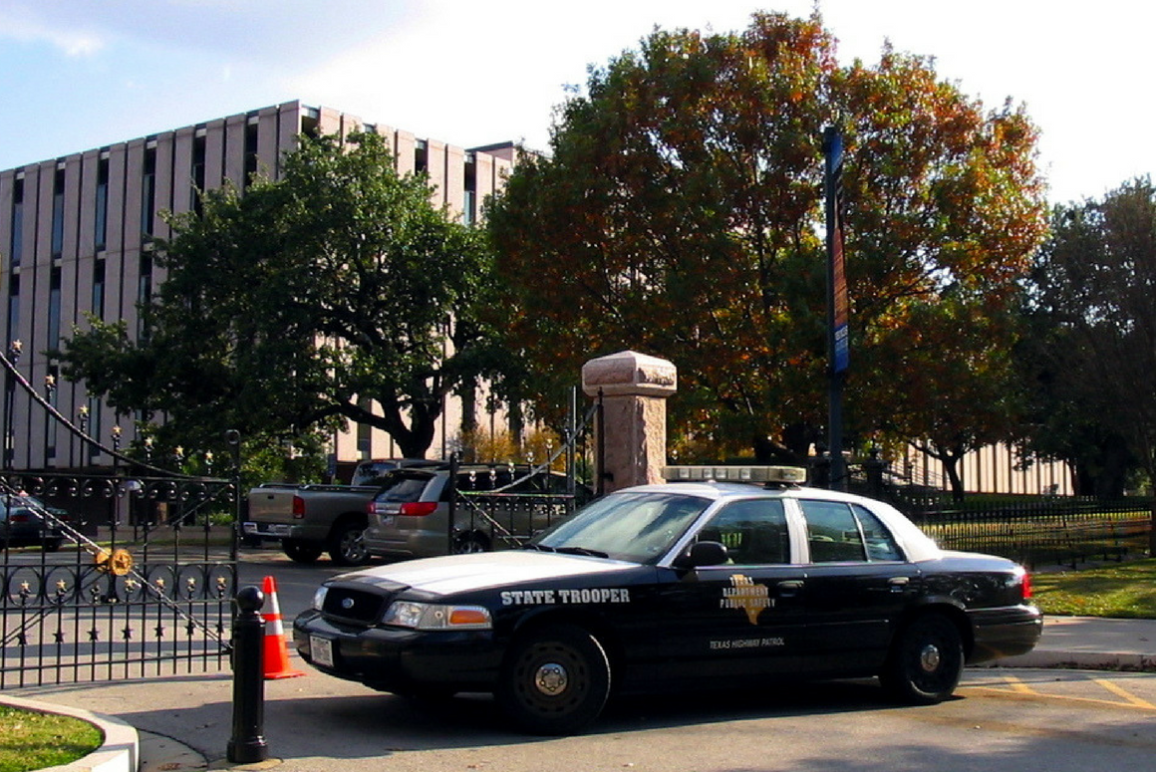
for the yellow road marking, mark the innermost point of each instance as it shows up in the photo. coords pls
(1119, 691)
(1019, 687)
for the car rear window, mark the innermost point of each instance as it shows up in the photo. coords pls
(403, 486)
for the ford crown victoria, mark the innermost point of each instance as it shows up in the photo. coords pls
(688, 584)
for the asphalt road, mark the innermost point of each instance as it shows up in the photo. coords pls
(1002, 719)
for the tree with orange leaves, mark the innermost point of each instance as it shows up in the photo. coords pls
(680, 210)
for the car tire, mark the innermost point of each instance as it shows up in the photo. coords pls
(926, 661)
(300, 552)
(347, 545)
(555, 680)
(52, 545)
(468, 543)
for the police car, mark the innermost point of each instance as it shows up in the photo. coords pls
(724, 576)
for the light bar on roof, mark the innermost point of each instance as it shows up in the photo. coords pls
(787, 475)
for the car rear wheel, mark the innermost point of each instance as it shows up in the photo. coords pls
(555, 680)
(926, 663)
(300, 552)
(347, 545)
(52, 545)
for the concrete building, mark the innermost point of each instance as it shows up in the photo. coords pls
(75, 236)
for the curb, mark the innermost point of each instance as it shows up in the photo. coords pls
(119, 751)
(1121, 661)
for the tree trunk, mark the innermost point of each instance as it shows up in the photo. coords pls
(951, 466)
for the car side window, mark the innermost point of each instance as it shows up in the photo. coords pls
(832, 532)
(881, 545)
(753, 531)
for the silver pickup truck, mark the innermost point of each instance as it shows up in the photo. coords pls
(310, 519)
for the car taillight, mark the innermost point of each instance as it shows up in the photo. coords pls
(21, 519)
(1027, 583)
(298, 508)
(418, 508)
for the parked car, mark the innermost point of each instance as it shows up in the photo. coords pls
(497, 506)
(677, 586)
(27, 521)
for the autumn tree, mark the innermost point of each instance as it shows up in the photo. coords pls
(336, 293)
(1090, 357)
(679, 213)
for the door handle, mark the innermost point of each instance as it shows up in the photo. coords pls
(899, 583)
(790, 587)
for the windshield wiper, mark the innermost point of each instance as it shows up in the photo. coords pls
(582, 551)
(538, 547)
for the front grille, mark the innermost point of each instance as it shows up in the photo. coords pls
(348, 604)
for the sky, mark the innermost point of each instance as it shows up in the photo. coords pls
(79, 74)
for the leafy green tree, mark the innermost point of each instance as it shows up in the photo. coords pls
(1090, 357)
(335, 293)
(680, 213)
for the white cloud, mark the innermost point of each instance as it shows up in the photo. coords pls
(16, 22)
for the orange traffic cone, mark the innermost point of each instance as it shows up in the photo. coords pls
(276, 647)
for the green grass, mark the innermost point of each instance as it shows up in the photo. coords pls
(31, 740)
(1124, 590)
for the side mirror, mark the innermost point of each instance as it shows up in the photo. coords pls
(703, 553)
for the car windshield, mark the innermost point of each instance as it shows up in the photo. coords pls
(639, 527)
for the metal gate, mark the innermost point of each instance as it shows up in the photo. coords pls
(502, 506)
(123, 572)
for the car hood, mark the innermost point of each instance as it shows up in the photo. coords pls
(461, 573)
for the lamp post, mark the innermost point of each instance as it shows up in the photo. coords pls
(14, 349)
(82, 420)
(116, 432)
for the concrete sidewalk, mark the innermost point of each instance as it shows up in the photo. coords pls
(183, 722)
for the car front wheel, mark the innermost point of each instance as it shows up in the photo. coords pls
(926, 662)
(555, 680)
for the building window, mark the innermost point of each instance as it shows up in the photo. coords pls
(98, 289)
(148, 192)
(54, 309)
(251, 165)
(13, 308)
(144, 293)
(17, 222)
(58, 213)
(420, 157)
(100, 230)
(470, 199)
(365, 431)
(198, 173)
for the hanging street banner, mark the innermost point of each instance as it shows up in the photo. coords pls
(838, 302)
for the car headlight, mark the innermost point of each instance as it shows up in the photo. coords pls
(436, 616)
(319, 598)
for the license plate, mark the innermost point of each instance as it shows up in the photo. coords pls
(385, 520)
(321, 650)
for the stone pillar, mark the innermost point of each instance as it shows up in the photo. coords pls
(634, 390)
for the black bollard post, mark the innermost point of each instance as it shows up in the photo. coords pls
(247, 744)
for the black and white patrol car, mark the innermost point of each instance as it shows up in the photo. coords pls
(696, 583)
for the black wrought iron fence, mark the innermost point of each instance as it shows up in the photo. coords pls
(1063, 530)
(143, 590)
